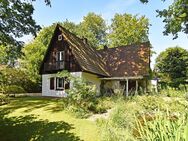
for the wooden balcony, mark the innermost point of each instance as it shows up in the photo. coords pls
(54, 66)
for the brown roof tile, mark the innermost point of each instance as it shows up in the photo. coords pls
(131, 60)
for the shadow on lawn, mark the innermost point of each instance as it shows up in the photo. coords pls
(28, 128)
(32, 103)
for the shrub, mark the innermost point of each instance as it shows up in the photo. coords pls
(120, 124)
(123, 121)
(17, 77)
(3, 99)
(163, 127)
(81, 100)
(172, 92)
(150, 103)
(13, 89)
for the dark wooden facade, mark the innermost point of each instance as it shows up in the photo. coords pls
(50, 63)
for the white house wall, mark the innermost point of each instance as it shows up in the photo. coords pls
(46, 87)
(54, 93)
(93, 79)
(59, 93)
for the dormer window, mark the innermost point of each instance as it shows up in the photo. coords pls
(59, 37)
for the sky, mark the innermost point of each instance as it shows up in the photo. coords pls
(75, 10)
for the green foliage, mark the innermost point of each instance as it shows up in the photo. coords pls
(172, 66)
(13, 28)
(156, 115)
(71, 26)
(93, 27)
(3, 55)
(13, 89)
(175, 17)
(16, 80)
(3, 99)
(120, 124)
(172, 92)
(33, 53)
(81, 99)
(22, 23)
(162, 127)
(128, 29)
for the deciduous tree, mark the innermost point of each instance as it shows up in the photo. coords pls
(172, 66)
(175, 17)
(93, 27)
(128, 29)
(16, 21)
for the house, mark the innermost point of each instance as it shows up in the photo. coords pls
(108, 69)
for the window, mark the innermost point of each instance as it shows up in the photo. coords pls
(59, 83)
(60, 56)
(52, 83)
(59, 37)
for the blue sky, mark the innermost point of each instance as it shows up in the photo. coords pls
(74, 10)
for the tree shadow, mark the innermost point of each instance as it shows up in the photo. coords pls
(29, 128)
(31, 103)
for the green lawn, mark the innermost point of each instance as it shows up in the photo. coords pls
(41, 119)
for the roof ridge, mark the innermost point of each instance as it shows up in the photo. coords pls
(130, 45)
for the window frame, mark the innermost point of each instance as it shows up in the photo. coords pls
(52, 84)
(57, 83)
(60, 56)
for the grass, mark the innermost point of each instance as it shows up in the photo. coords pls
(122, 122)
(42, 119)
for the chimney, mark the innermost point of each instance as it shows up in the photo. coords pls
(105, 47)
(85, 40)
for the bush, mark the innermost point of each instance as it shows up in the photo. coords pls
(172, 92)
(13, 89)
(120, 124)
(17, 77)
(81, 98)
(163, 127)
(123, 121)
(3, 99)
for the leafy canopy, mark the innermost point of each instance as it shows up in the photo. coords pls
(34, 51)
(128, 29)
(175, 17)
(16, 21)
(172, 66)
(93, 27)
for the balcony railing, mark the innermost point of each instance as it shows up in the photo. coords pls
(54, 66)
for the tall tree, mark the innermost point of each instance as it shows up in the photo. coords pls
(16, 21)
(128, 29)
(71, 26)
(172, 66)
(93, 27)
(34, 51)
(175, 17)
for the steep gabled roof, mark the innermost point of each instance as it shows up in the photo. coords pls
(86, 56)
(131, 60)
